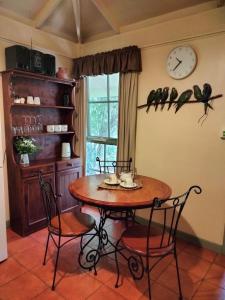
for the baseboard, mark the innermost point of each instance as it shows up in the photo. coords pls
(191, 238)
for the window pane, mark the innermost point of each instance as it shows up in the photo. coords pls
(97, 88)
(92, 151)
(111, 152)
(113, 117)
(114, 87)
(98, 119)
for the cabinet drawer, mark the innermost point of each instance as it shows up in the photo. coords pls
(32, 171)
(68, 164)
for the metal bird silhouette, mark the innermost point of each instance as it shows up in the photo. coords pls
(150, 99)
(158, 97)
(183, 98)
(173, 96)
(197, 93)
(165, 94)
(204, 95)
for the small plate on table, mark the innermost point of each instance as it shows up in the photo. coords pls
(109, 182)
(130, 186)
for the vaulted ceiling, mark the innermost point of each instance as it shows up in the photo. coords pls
(84, 20)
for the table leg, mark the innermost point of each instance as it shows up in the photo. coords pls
(89, 257)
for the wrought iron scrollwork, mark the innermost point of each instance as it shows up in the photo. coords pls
(90, 259)
(136, 267)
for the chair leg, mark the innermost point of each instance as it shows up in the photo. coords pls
(178, 275)
(117, 266)
(56, 263)
(46, 249)
(149, 279)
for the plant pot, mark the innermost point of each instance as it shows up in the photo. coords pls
(24, 159)
(62, 73)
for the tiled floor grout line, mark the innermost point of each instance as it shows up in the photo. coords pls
(46, 287)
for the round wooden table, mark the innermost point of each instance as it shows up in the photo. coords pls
(86, 190)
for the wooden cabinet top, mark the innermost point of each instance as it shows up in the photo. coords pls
(38, 76)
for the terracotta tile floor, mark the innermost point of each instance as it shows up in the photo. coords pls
(22, 275)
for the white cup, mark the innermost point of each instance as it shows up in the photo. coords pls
(30, 100)
(125, 175)
(64, 127)
(128, 181)
(113, 178)
(50, 128)
(58, 128)
(17, 100)
(37, 100)
(22, 100)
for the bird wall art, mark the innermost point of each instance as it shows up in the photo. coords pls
(163, 96)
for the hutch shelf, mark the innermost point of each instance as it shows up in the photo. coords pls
(26, 207)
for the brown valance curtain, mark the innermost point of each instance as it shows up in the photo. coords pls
(120, 60)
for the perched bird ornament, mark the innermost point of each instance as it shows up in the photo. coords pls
(150, 99)
(183, 98)
(203, 96)
(165, 94)
(158, 97)
(173, 96)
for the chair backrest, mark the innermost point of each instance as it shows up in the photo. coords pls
(170, 211)
(114, 166)
(49, 201)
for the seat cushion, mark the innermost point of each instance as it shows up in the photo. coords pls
(72, 223)
(135, 240)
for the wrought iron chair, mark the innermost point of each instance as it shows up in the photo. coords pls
(70, 225)
(151, 241)
(117, 166)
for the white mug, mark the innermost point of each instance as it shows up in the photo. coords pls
(113, 178)
(30, 100)
(128, 181)
(125, 175)
(50, 128)
(22, 100)
(64, 127)
(17, 100)
(37, 100)
(58, 128)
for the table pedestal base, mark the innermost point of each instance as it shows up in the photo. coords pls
(89, 257)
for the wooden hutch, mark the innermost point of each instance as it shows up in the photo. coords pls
(26, 207)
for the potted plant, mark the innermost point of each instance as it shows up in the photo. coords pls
(25, 146)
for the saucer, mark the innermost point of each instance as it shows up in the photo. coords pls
(107, 181)
(132, 186)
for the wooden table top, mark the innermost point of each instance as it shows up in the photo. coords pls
(86, 190)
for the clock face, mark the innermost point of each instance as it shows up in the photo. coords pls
(181, 62)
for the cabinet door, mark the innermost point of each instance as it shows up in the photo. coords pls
(35, 217)
(63, 180)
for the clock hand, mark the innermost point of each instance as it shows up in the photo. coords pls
(178, 60)
(177, 65)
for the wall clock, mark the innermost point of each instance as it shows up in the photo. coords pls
(181, 62)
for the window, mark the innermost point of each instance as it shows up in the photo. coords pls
(102, 119)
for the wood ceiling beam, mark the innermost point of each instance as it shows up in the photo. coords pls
(76, 11)
(220, 3)
(107, 14)
(45, 12)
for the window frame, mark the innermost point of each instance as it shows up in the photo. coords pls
(98, 139)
